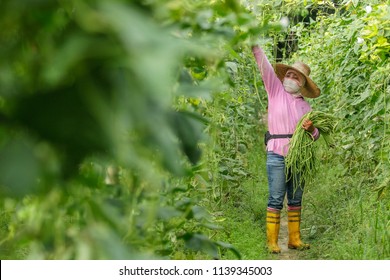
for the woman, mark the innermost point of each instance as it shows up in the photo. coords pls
(286, 86)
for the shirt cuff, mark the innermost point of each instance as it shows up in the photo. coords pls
(315, 133)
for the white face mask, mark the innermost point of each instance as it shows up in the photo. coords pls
(291, 86)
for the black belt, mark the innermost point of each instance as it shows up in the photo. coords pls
(268, 136)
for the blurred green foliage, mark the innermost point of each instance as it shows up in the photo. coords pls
(165, 94)
(90, 84)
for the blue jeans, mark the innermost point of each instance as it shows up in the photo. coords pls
(278, 186)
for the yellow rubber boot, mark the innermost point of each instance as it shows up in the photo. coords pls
(294, 233)
(273, 227)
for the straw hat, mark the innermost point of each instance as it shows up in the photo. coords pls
(310, 89)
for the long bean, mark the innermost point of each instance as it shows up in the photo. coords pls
(301, 162)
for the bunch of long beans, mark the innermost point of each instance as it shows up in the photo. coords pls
(301, 162)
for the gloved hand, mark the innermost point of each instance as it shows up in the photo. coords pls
(308, 125)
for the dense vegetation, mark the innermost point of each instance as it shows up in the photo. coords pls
(134, 129)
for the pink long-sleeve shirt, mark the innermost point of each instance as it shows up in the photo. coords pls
(284, 109)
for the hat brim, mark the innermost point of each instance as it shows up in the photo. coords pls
(309, 90)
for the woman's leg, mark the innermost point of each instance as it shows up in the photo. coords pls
(277, 192)
(294, 202)
(276, 181)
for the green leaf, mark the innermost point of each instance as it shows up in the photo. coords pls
(168, 212)
(199, 213)
(200, 242)
(230, 247)
(362, 97)
(189, 130)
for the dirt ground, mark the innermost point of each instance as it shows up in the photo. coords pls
(286, 254)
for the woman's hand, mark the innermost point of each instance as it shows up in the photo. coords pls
(308, 125)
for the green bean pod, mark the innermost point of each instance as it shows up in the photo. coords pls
(301, 162)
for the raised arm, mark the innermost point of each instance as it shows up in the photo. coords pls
(271, 81)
